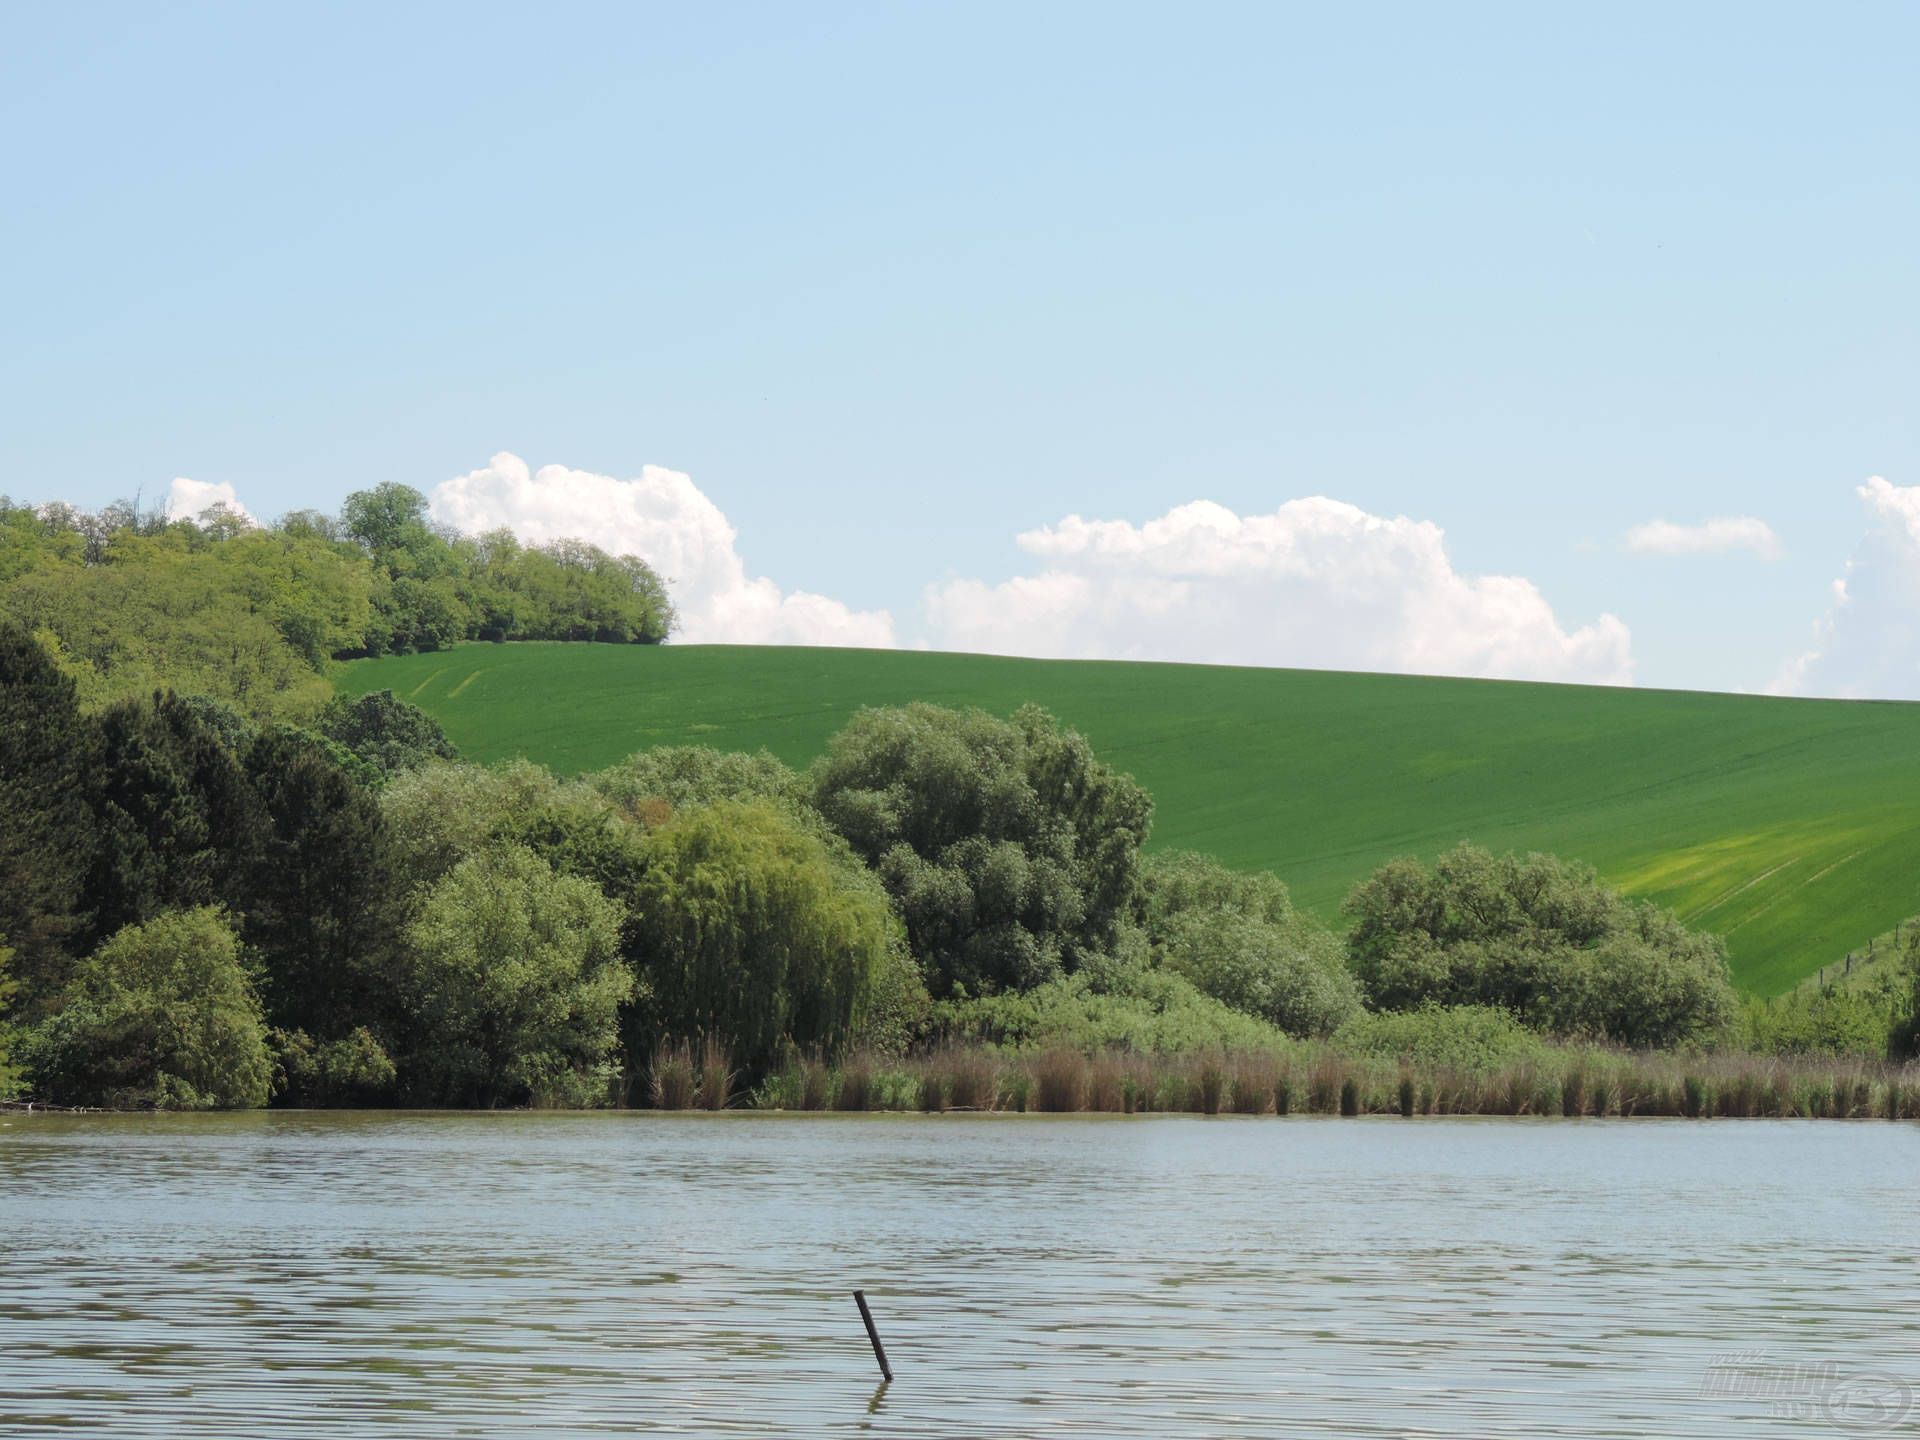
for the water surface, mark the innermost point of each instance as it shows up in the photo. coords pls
(382, 1275)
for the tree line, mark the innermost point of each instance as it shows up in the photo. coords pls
(207, 908)
(250, 615)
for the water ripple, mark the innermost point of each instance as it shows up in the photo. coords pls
(446, 1275)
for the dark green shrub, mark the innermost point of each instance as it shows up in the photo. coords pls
(1541, 938)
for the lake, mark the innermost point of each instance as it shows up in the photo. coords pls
(400, 1274)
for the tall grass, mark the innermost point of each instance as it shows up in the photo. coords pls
(1058, 1081)
(673, 1080)
(691, 1075)
(1314, 1078)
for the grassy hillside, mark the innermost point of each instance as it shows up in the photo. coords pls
(1789, 826)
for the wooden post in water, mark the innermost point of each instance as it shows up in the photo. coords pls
(879, 1350)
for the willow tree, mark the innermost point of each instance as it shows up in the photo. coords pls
(750, 926)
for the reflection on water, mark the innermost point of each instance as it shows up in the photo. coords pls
(492, 1275)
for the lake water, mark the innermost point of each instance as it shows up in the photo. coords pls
(375, 1275)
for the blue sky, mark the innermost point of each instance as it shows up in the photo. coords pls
(896, 284)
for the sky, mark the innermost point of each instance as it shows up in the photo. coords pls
(1473, 339)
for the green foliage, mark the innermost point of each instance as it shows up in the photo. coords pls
(178, 820)
(1542, 938)
(654, 785)
(441, 814)
(319, 892)
(1238, 938)
(1736, 812)
(162, 1015)
(437, 816)
(1821, 1022)
(354, 1070)
(1008, 848)
(160, 615)
(223, 608)
(749, 928)
(48, 768)
(1460, 1037)
(512, 984)
(433, 588)
(1151, 1012)
(566, 590)
(385, 735)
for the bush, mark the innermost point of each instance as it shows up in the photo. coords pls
(1462, 1037)
(512, 984)
(162, 1015)
(1817, 1022)
(1541, 938)
(353, 1070)
(1153, 1012)
(1238, 938)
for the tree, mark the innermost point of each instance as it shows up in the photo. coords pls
(512, 983)
(387, 519)
(750, 929)
(1011, 851)
(385, 733)
(1238, 938)
(47, 828)
(438, 816)
(162, 1015)
(1540, 937)
(164, 617)
(318, 890)
(654, 785)
(179, 821)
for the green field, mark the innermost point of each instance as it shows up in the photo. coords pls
(1789, 826)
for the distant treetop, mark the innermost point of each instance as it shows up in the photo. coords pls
(129, 601)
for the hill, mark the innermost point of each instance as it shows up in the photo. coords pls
(1789, 826)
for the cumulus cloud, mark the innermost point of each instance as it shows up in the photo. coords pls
(1867, 644)
(189, 499)
(1317, 583)
(662, 517)
(1727, 532)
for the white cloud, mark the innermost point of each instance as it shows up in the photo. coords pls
(1730, 532)
(1868, 642)
(662, 517)
(188, 499)
(1317, 583)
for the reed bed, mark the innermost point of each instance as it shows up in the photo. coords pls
(1568, 1082)
(692, 1074)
